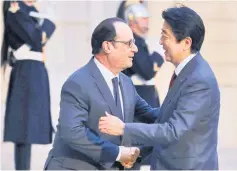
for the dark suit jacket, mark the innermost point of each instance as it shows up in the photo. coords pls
(185, 134)
(85, 97)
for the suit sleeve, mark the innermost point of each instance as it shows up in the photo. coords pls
(190, 108)
(73, 118)
(27, 29)
(143, 111)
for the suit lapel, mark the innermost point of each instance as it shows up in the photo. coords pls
(102, 86)
(124, 91)
(186, 71)
(174, 89)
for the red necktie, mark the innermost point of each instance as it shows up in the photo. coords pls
(172, 79)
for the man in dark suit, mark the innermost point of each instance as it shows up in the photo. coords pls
(184, 135)
(90, 92)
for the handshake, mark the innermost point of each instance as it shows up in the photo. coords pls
(128, 156)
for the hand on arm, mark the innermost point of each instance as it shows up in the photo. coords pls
(111, 125)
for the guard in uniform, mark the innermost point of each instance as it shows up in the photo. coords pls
(145, 67)
(145, 64)
(28, 117)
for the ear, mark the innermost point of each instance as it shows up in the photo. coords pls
(107, 47)
(187, 43)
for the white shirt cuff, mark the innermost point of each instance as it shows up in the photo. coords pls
(119, 154)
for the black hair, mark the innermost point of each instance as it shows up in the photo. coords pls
(185, 23)
(105, 31)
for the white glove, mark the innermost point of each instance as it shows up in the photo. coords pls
(153, 45)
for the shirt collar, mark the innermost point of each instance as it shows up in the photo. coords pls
(107, 74)
(179, 68)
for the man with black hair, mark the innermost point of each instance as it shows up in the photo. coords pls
(184, 136)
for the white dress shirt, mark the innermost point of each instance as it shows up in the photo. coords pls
(179, 68)
(108, 76)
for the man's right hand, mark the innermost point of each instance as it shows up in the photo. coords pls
(129, 156)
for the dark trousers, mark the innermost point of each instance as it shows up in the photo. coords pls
(22, 156)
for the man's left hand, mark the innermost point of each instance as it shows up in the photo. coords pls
(111, 125)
